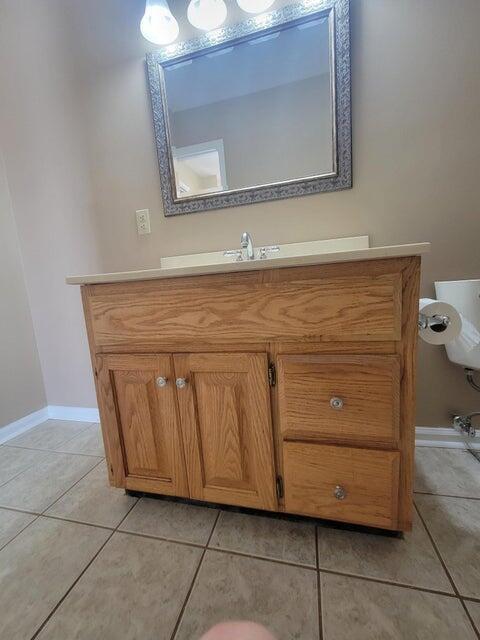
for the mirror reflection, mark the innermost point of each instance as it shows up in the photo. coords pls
(255, 113)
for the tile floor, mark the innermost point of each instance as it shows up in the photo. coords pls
(80, 560)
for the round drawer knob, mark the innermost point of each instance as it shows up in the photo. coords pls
(181, 383)
(336, 403)
(340, 492)
(161, 381)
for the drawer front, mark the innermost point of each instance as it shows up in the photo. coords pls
(342, 483)
(247, 307)
(344, 398)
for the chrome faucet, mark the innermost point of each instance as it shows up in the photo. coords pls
(247, 245)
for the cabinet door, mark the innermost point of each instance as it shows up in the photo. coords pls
(147, 421)
(226, 424)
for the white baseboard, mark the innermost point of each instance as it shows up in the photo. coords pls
(79, 414)
(14, 429)
(52, 412)
(444, 437)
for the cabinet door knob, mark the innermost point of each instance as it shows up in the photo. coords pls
(336, 403)
(161, 381)
(181, 383)
(340, 492)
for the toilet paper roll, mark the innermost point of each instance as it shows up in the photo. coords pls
(433, 335)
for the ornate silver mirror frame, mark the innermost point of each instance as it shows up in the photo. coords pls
(340, 178)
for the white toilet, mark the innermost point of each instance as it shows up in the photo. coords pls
(464, 295)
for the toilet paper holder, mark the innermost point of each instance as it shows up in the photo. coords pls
(436, 322)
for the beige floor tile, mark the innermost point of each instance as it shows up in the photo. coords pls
(50, 434)
(281, 597)
(89, 442)
(134, 590)
(452, 472)
(454, 524)
(474, 611)
(94, 501)
(37, 569)
(364, 610)
(265, 537)
(14, 460)
(39, 486)
(172, 520)
(11, 523)
(411, 560)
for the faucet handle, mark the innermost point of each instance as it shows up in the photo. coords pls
(264, 251)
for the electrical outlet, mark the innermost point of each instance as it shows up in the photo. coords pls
(143, 221)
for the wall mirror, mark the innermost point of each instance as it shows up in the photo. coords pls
(256, 111)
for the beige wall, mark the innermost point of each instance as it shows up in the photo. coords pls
(43, 142)
(416, 153)
(21, 383)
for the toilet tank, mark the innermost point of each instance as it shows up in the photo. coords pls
(464, 295)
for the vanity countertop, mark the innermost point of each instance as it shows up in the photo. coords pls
(372, 253)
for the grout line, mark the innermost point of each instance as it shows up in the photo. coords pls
(38, 426)
(445, 495)
(71, 487)
(148, 536)
(68, 591)
(29, 466)
(437, 550)
(89, 524)
(75, 582)
(32, 513)
(243, 554)
(412, 587)
(63, 452)
(21, 530)
(319, 589)
(189, 593)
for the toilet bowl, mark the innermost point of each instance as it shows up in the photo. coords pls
(464, 295)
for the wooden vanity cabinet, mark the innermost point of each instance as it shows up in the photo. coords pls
(283, 389)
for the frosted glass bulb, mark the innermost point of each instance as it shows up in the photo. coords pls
(255, 6)
(158, 24)
(207, 14)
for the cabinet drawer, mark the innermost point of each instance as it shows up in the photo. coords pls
(342, 483)
(344, 398)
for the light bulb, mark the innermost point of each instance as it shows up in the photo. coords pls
(207, 14)
(255, 6)
(158, 24)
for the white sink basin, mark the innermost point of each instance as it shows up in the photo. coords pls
(292, 250)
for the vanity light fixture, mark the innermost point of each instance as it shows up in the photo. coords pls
(255, 6)
(158, 24)
(207, 14)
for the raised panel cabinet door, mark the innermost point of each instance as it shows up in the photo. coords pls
(147, 419)
(224, 406)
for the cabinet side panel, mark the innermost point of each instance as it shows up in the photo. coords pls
(407, 350)
(106, 402)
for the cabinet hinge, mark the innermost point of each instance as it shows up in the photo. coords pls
(279, 487)
(272, 375)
